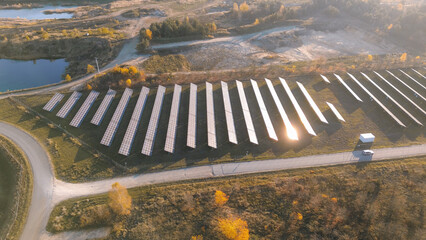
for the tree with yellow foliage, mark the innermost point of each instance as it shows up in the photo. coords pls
(244, 7)
(235, 7)
(212, 27)
(148, 33)
(119, 199)
(220, 198)
(89, 87)
(67, 78)
(133, 70)
(299, 216)
(403, 57)
(390, 26)
(128, 83)
(370, 57)
(90, 68)
(198, 237)
(234, 229)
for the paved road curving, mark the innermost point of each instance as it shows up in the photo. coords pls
(48, 191)
(43, 180)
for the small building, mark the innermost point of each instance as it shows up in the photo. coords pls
(366, 138)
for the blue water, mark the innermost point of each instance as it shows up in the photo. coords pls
(16, 75)
(34, 13)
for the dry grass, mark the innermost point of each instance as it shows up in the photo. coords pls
(360, 201)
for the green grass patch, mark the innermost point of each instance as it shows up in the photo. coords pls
(166, 64)
(383, 200)
(16, 185)
(79, 164)
(71, 162)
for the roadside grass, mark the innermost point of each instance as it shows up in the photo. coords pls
(382, 200)
(16, 185)
(71, 162)
(331, 138)
(166, 64)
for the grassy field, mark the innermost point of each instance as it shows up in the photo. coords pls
(79, 164)
(16, 186)
(381, 200)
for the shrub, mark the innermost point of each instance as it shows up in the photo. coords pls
(234, 229)
(119, 199)
(220, 198)
(68, 78)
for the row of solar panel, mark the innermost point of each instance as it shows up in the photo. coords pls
(211, 129)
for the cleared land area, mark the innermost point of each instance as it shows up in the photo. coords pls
(94, 162)
(15, 189)
(358, 201)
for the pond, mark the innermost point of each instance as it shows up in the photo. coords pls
(15, 75)
(34, 13)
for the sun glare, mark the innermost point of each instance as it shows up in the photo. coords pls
(292, 133)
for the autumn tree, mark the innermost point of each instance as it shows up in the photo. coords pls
(67, 78)
(244, 7)
(148, 34)
(256, 22)
(90, 68)
(220, 198)
(403, 57)
(119, 199)
(235, 7)
(129, 82)
(89, 87)
(370, 57)
(234, 229)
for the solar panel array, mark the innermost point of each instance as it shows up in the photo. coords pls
(325, 78)
(127, 142)
(211, 125)
(334, 110)
(82, 112)
(347, 87)
(393, 100)
(299, 110)
(69, 104)
(312, 103)
(192, 117)
(414, 91)
(151, 133)
(377, 101)
(246, 111)
(291, 131)
(414, 80)
(106, 102)
(401, 93)
(232, 135)
(53, 102)
(418, 73)
(264, 112)
(116, 118)
(173, 120)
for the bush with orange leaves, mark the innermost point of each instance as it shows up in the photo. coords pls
(234, 229)
(403, 57)
(119, 199)
(220, 198)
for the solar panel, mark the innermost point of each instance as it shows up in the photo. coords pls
(192, 117)
(263, 111)
(106, 102)
(401, 93)
(325, 78)
(69, 104)
(414, 80)
(347, 87)
(393, 100)
(127, 142)
(151, 133)
(377, 101)
(81, 114)
(299, 110)
(246, 112)
(418, 73)
(173, 120)
(334, 110)
(312, 103)
(116, 118)
(232, 136)
(414, 91)
(53, 102)
(211, 125)
(291, 131)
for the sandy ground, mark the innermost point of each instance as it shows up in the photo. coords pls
(292, 45)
